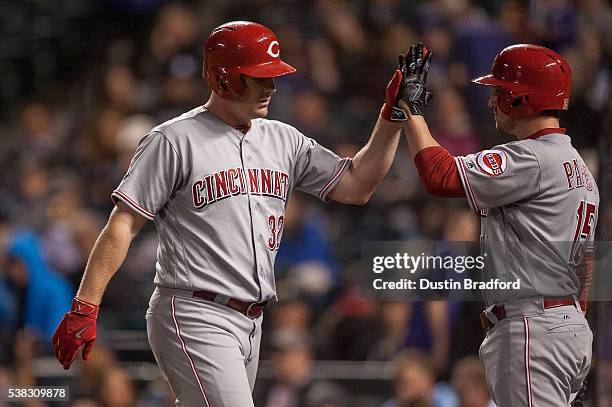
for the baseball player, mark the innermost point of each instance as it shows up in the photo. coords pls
(538, 205)
(216, 181)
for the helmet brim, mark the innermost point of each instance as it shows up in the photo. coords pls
(269, 70)
(490, 80)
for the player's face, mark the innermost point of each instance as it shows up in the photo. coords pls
(503, 122)
(257, 95)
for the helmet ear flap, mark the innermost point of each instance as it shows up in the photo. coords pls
(224, 85)
(519, 101)
(517, 107)
(233, 85)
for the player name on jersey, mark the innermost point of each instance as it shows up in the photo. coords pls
(577, 175)
(231, 182)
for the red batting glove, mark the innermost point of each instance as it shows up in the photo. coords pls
(390, 111)
(77, 329)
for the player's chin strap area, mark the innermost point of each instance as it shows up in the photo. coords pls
(497, 312)
(252, 310)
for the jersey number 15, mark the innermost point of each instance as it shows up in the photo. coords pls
(586, 214)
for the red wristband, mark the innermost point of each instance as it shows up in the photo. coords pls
(85, 308)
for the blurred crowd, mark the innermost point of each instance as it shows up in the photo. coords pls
(83, 82)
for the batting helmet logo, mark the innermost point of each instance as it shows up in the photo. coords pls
(274, 53)
(241, 48)
(492, 162)
(532, 79)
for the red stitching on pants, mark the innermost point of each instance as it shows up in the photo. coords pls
(528, 371)
(178, 333)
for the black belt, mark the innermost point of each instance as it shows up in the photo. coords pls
(499, 310)
(250, 309)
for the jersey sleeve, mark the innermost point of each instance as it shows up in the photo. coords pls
(500, 176)
(317, 169)
(152, 176)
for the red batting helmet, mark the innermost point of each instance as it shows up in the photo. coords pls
(241, 47)
(532, 78)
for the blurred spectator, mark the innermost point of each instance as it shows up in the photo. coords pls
(91, 378)
(293, 384)
(131, 130)
(355, 328)
(27, 194)
(553, 23)
(472, 55)
(346, 330)
(452, 126)
(342, 25)
(461, 226)
(590, 88)
(470, 384)
(602, 377)
(324, 70)
(415, 384)
(393, 317)
(403, 324)
(462, 230)
(120, 89)
(432, 216)
(40, 296)
(22, 375)
(291, 315)
(116, 389)
(157, 394)
(174, 30)
(287, 315)
(596, 15)
(305, 265)
(38, 137)
(69, 238)
(438, 38)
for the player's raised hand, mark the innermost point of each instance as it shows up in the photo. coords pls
(77, 329)
(390, 110)
(414, 67)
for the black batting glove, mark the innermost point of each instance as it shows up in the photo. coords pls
(414, 67)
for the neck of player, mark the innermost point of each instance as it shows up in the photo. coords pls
(227, 111)
(526, 127)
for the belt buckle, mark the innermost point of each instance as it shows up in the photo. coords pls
(249, 309)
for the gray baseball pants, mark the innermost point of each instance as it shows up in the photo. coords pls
(207, 351)
(537, 357)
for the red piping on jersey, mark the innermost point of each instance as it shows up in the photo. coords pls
(178, 333)
(540, 133)
(439, 173)
(466, 182)
(334, 177)
(134, 205)
(527, 366)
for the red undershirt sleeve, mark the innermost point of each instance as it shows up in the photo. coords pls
(439, 173)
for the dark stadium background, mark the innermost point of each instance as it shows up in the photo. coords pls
(82, 80)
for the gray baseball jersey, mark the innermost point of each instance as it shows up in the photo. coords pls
(218, 198)
(538, 203)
